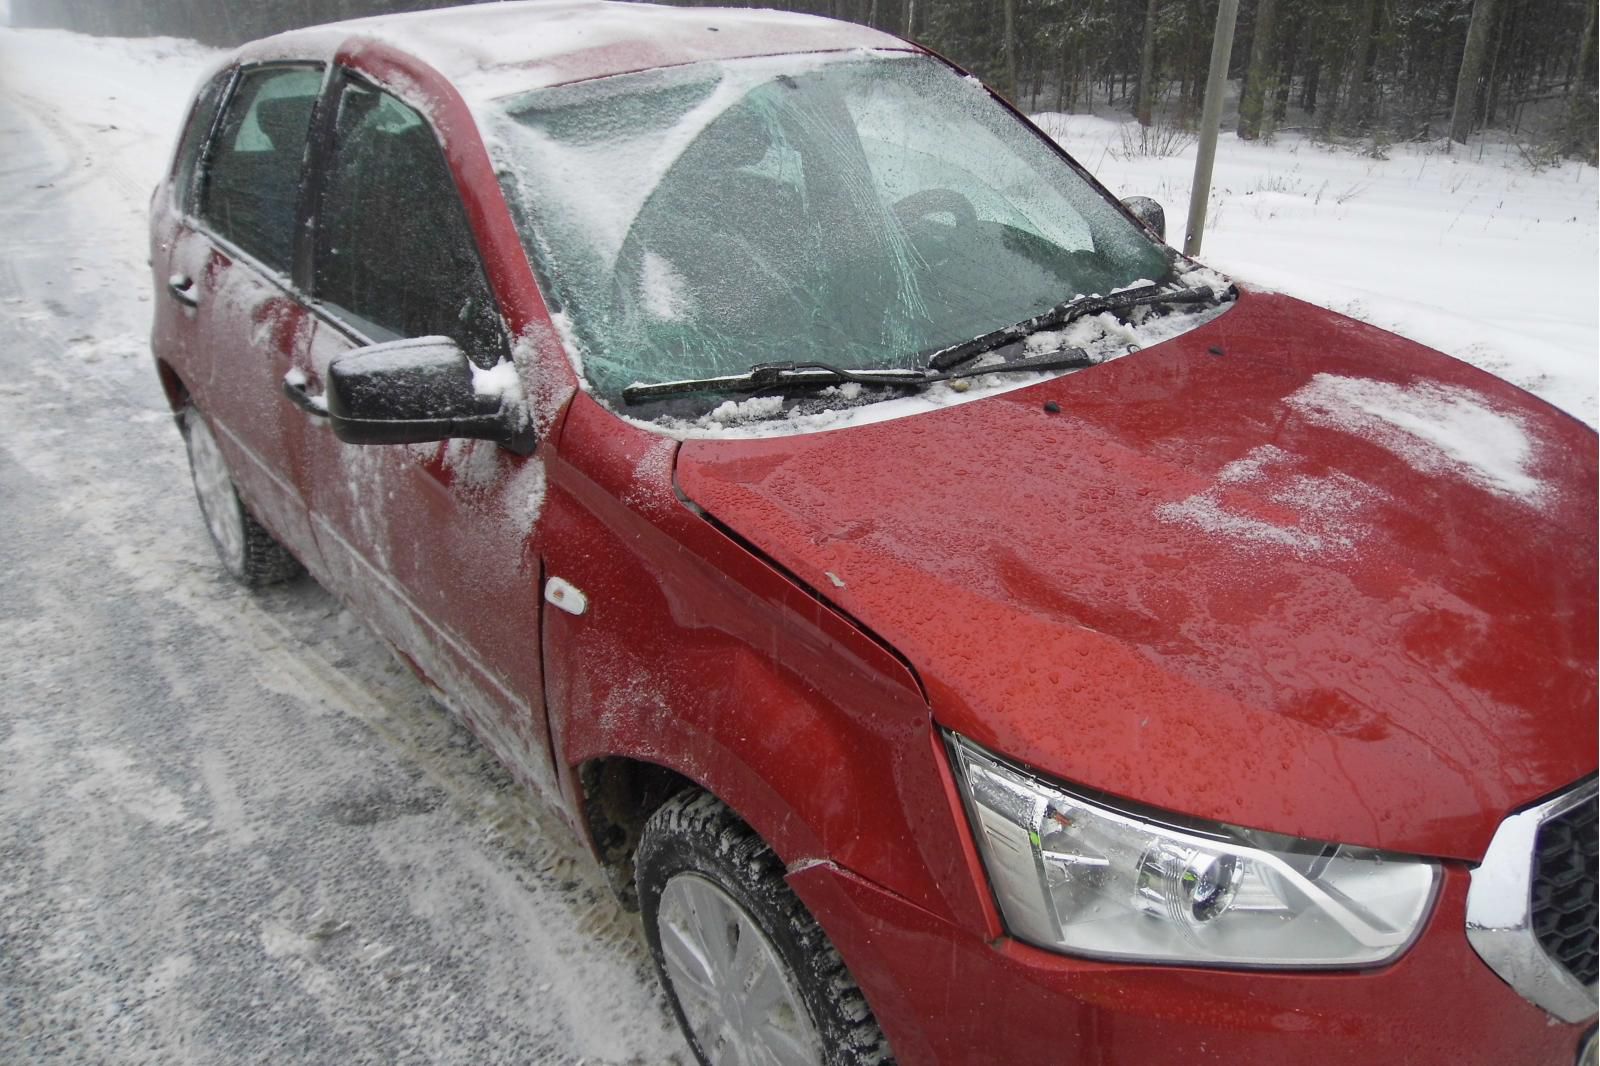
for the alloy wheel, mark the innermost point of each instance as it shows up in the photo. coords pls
(737, 994)
(219, 503)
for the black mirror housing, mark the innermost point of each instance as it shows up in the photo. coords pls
(1148, 211)
(415, 391)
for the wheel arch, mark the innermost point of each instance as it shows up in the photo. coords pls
(172, 386)
(617, 795)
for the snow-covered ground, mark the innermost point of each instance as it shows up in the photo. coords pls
(232, 830)
(1473, 251)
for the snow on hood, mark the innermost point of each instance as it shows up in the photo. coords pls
(1433, 427)
(1285, 570)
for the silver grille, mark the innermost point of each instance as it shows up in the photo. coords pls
(1508, 919)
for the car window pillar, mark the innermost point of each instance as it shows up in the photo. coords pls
(319, 156)
(190, 161)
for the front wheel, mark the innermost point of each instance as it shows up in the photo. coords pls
(248, 552)
(749, 973)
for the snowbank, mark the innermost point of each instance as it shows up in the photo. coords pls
(1470, 251)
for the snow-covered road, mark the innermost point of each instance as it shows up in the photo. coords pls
(232, 829)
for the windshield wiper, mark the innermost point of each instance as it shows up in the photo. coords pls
(1058, 316)
(774, 375)
(764, 376)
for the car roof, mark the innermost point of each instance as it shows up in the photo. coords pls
(495, 49)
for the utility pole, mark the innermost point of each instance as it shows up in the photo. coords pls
(1210, 118)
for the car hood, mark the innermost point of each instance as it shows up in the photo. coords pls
(1285, 571)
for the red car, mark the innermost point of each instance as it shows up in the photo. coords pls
(960, 624)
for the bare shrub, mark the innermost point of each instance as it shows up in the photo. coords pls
(1160, 140)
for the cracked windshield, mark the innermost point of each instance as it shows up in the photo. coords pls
(855, 210)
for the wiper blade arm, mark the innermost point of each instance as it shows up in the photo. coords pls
(771, 375)
(1058, 316)
(764, 376)
(1065, 359)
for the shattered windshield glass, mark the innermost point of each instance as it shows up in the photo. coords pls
(852, 209)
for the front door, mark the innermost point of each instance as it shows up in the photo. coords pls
(437, 544)
(234, 267)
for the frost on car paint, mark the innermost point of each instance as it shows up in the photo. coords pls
(296, 378)
(1434, 428)
(1321, 512)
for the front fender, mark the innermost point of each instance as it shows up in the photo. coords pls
(698, 655)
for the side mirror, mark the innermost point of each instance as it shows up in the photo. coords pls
(1149, 212)
(413, 391)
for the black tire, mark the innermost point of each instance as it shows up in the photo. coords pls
(695, 836)
(249, 554)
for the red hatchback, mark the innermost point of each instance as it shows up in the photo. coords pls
(959, 623)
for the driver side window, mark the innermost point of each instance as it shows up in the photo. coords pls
(250, 187)
(394, 252)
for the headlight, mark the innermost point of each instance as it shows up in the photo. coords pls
(1078, 876)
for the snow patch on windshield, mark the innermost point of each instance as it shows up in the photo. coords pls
(1435, 428)
(663, 289)
(601, 180)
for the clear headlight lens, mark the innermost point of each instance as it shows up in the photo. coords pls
(1078, 876)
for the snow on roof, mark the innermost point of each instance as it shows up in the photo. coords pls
(495, 49)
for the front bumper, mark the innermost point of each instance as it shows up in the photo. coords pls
(945, 997)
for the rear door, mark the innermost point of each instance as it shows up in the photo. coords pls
(437, 544)
(172, 228)
(235, 270)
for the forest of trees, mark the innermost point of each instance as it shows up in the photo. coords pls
(1378, 70)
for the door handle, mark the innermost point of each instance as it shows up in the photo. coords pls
(294, 387)
(181, 286)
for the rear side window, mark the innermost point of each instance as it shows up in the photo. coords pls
(394, 250)
(201, 116)
(252, 178)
